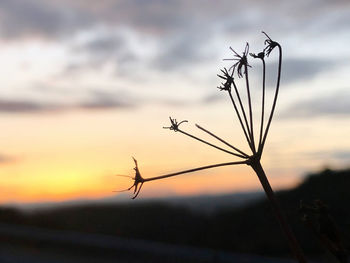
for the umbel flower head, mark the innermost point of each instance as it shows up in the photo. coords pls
(270, 44)
(242, 61)
(138, 181)
(246, 119)
(174, 125)
(228, 80)
(253, 159)
(260, 55)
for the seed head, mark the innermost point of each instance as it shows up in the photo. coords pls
(242, 61)
(260, 55)
(270, 44)
(138, 181)
(228, 80)
(174, 124)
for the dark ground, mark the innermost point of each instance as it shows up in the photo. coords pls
(101, 233)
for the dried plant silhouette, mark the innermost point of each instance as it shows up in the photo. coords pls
(317, 218)
(245, 118)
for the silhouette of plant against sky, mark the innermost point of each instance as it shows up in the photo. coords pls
(245, 118)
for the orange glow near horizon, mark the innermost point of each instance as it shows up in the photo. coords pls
(76, 156)
(80, 97)
(60, 156)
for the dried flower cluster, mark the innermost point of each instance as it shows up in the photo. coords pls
(240, 67)
(244, 114)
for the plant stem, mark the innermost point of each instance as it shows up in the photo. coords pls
(244, 155)
(262, 105)
(250, 110)
(293, 243)
(210, 144)
(239, 116)
(192, 170)
(274, 100)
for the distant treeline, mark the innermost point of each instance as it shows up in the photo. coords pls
(251, 229)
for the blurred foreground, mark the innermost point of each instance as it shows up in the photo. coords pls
(171, 232)
(31, 244)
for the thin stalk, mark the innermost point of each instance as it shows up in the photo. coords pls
(239, 116)
(210, 144)
(244, 155)
(262, 106)
(250, 109)
(243, 112)
(193, 170)
(275, 98)
(292, 241)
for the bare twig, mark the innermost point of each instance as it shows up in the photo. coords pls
(210, 144)
(175, 127)
(246, 133)
(244, 155)
(194, 170)
(261, 56)
(250, 111)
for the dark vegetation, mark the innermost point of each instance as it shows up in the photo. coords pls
(244, 113)
(250, 229)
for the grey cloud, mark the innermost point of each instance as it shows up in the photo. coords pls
(334, 104)
(184, 51)
(22, 18)
(337, 154)
(50, 19)
(212, 98)
(96, 100)
(103, 104)
(154, 16)
(105, 44)
(100, 50)
(101, 100)
(12, 106)
(63, 17)
(295, 70)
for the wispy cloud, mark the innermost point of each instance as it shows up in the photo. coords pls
(4, 158)
(97, 100)
(20, 106)
(105, 100)
(333, 104)
(342, 155)
(187, 50)
(296, 70)
(178, 36)
(103, 48)
(59, 18)
(28, 18)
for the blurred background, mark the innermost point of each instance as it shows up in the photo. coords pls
(86, 85)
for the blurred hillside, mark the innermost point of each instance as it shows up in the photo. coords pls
(250, 229)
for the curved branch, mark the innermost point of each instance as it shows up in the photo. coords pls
(262, 106)
(250, 110)
(275, 98)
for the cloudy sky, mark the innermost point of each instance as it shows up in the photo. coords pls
(87, 84)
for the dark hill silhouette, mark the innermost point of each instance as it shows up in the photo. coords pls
(250, 229)
(253, 228)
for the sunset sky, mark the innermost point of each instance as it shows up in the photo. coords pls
(86, 85)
